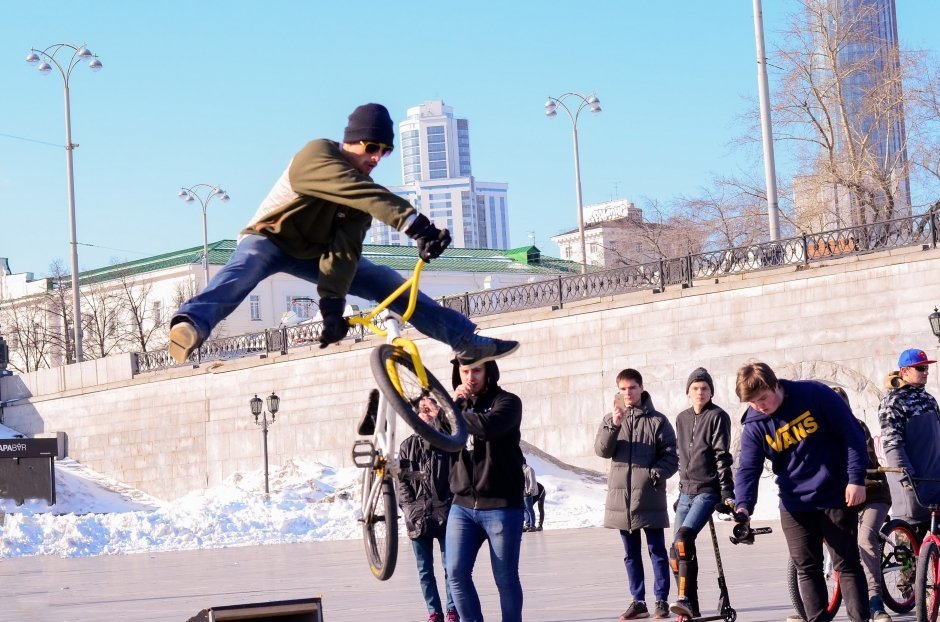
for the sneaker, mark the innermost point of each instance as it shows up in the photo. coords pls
(682, 607)
(452, 616)
(183, 340)
(880, 616)
(436, 616)
(635, 611)
(527, 528)
(539, 528)
(795, 618)
(661, 610)
(477, 350)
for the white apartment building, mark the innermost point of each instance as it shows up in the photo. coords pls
(437, 180)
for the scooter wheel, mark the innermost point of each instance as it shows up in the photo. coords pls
(730, 615)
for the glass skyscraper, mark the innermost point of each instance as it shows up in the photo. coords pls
(437, 180)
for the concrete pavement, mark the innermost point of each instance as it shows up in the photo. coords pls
(567, 575)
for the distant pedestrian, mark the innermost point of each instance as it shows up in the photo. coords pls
(531, 492)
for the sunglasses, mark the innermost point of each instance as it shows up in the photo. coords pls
(920, 368)
(372, 148)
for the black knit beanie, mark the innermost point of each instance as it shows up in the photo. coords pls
(700, 375)
(370, 122)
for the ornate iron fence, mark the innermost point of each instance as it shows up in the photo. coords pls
(556, 291)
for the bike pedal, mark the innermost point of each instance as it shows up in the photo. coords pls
(363, 454)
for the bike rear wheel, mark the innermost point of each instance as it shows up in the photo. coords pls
(832, 584)
(927, 582)
(380, 526)
(898, 565)
(390, 362)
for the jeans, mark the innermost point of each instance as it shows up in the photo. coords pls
(693, 510)
(256, 258)
(633, 560)
(805, 532)
(424, 555)
(467, 530)
(529, 516)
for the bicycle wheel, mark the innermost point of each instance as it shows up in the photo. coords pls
(898, 564)
(832, 585)
(927, 582)
(380, 527)
(388, 362)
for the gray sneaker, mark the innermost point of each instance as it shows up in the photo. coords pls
(661, 610)
(682, 607)
(184, 338)
(478, 349)
(635, 611)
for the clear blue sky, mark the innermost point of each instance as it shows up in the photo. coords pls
(226, 92)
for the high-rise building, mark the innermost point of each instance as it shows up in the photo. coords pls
(867, 76)
(437, 180)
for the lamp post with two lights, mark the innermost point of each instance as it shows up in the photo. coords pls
(261, 419)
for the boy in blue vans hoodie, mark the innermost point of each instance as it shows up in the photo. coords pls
(817, 453)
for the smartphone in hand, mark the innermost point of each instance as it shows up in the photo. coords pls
(619, 401)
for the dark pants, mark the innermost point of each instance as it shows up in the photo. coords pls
(424, 555)
(633, 560)
(805, 532)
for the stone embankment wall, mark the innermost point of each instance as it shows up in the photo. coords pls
(174, 431)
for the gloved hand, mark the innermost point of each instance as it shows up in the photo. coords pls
(431, 241)
(335, 325)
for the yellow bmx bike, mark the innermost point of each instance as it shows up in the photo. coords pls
(403, 382)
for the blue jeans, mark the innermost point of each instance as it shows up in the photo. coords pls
(467, 530)
(529, 515)
(633, 560)
(693, 510)
(424, 555)
(256, 258)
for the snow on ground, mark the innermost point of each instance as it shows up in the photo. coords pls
(95, 515)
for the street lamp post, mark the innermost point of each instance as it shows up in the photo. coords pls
(47, 59)
(189, 195)
(256, 405)
(584, 101)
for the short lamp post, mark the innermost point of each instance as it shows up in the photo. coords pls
(257, 409)
(191, 194)
(935, 323)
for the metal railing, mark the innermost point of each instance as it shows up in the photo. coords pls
(555, 292)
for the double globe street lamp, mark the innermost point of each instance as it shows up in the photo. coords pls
(191, 194)
(257, 409)
(47, 60)
(583, 101)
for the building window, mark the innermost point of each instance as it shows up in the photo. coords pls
(254, 306)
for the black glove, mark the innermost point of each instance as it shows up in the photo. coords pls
(431, 241)
(335, 325)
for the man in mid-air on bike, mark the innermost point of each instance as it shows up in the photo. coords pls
(312, 225)
(910, 434)
(817, 452)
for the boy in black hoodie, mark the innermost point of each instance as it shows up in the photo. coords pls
(487, 482)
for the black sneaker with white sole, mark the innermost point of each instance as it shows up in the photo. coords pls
(477, 350)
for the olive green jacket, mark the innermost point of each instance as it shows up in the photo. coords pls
(321, 208)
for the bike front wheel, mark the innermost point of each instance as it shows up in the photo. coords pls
(927, 582)
(898, 565)
(380, 525)
(832, 585)
(395, 376)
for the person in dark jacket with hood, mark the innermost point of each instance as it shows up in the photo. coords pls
(641, 445)
(705, 479)
(817, 453)
(425, 497)
(487, 482)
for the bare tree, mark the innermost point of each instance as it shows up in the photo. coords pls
(841, 93)
(57, 302)
(102, 321)
(24, 326)
(143, 318)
